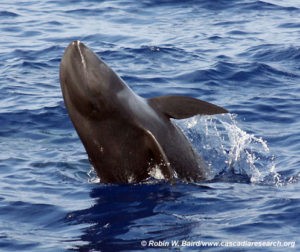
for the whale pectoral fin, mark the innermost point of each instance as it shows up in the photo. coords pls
(158, 155)
(180, 107)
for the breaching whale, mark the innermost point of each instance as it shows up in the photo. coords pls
(128, 137)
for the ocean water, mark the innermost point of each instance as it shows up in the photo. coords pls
(243, 55)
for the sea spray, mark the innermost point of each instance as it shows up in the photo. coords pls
(227, 149)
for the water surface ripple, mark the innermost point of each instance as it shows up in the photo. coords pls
(243, 55)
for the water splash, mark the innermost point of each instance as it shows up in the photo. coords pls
(92, 176)
(230, 152)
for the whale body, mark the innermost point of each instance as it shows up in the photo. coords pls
(127, 137)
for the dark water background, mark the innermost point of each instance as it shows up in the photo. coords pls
(243, 55)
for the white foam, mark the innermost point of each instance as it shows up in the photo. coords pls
(156, 173)
(93, 178)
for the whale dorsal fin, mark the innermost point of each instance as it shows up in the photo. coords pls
(180, 107)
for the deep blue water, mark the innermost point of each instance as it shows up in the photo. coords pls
(243, 55)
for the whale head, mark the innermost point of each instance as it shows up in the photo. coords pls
(88, 84)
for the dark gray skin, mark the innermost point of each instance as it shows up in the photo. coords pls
(125, 135)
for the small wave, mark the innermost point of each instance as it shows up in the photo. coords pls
(273, 52)
(290, 25)
(92, 11)
(52, 23)
(245, 74)
(222, 5)
(238, 32)
(266, 6)
(35, 65)
(42, 52)
(34, 214)
(258, 71)
(19, 122)
(24, 60)
(197, 76)
(21, 221)
(8, 14)
(165, 51)
(231, 23)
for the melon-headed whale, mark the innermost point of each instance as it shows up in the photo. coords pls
(128, 137)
